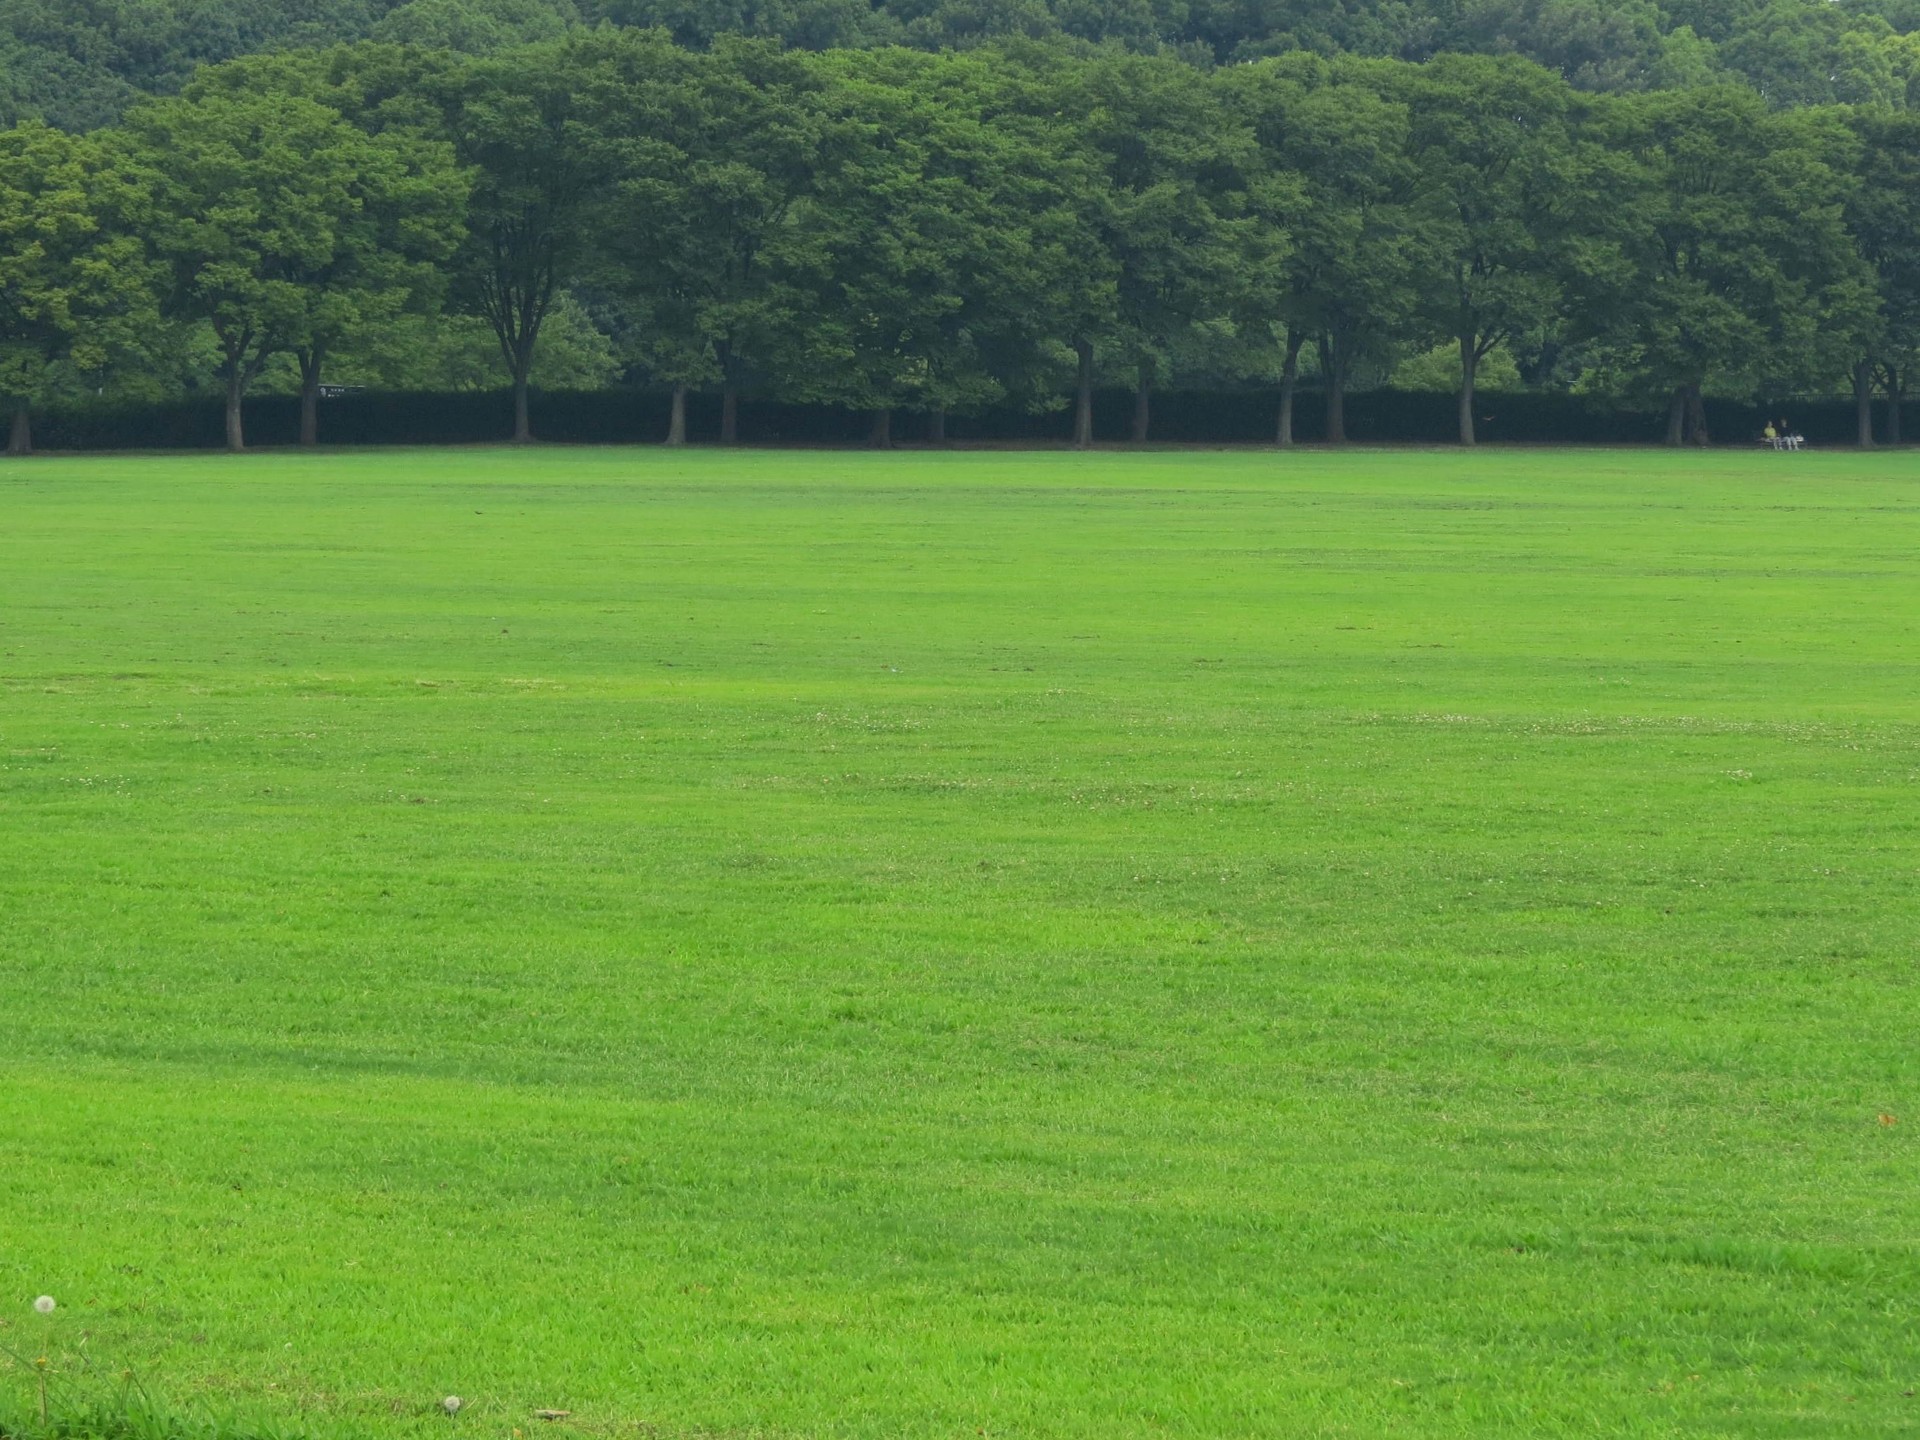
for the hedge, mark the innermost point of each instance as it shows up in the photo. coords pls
(638, 416)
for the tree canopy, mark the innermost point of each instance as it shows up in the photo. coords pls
(81, 63)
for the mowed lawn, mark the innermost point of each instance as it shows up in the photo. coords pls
(807, 944)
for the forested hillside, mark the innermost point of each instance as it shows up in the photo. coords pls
(79, 63)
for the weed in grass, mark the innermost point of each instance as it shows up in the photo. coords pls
(73, 1399)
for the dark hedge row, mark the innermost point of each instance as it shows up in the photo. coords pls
(630, 416)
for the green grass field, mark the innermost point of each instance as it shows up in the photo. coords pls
(1189, 944)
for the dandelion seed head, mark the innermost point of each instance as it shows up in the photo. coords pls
(44, 1304)
(451, 1404)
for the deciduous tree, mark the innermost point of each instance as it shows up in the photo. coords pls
(1740, 270)
(1883, 215)
(1491, 143)
(1358, 247)
(525, 127)
(260, 203)
(703, 191)
(76, 285)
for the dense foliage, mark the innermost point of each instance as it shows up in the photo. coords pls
(890, 229)
(79, 63)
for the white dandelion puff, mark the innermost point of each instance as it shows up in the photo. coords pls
(451, 1404)
(44, 1304)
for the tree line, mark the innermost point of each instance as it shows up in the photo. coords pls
(78, 64)
(900, 231)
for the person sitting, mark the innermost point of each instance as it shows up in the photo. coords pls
(1771, 435)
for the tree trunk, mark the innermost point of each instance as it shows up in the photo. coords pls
(677, 420)
(937, 425)
(1289, 379)
(1677, 417)
(1336, 391)
(522, 419)
(729, 394)
(1863, 404)
(20, 437)
(880, 437)
(1142, 402)
(310, 363)
(1083, 397)
(1697, 418)
(236, 435)
(1469, 366)
(1895, 391)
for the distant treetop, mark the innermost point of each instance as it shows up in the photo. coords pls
(78, 64)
